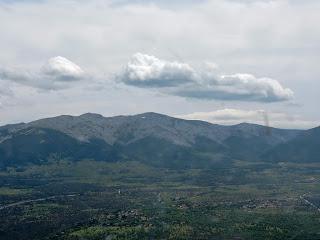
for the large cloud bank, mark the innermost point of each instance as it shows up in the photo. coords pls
(181, 79)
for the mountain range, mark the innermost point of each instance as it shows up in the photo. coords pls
(154, 139)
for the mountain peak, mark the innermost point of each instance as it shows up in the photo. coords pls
(244, 124)
(151, 114)
(91, 115)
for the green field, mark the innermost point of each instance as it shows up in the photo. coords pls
(130, 200)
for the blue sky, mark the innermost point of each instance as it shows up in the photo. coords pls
(224, 61)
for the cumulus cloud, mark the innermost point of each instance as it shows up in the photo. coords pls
(240, 86)
(265, 87)
(55, 74)
(230, 116)
(181, 79)
(62, 69)
(148, 71)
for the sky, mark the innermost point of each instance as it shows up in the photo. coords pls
(222, 61)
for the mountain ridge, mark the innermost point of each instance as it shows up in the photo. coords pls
(91, 114)
(104, 127)
(149, 137)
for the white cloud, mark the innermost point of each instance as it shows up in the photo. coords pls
(260, 88)
(55, 74)
(62, 69)
(181, 79)
(229, 116)
(148, 71)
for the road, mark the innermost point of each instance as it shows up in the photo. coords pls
(2, 207)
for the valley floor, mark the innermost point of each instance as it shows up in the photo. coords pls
(130, 200)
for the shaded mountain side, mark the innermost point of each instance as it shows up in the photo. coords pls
(39, 145)
(303, 149)
(8, 130)
(248, 148)
(36, 146)
(160, 153)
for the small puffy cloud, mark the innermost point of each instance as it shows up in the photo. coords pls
(183, 80)
(229, 116)
(148, 71)
(62, 69)
(55, 74)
